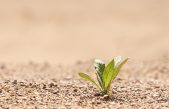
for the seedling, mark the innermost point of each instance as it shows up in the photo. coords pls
(105, 73)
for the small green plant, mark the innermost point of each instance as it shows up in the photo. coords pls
(105, 73)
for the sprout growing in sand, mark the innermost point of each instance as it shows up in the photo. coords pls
(105, 73)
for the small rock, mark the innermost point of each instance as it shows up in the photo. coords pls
(97, 94)
(51, 85)
(14, 82)
(98, 102)
(55, 92)
(43, 86)
(155, 95)
(75, 90)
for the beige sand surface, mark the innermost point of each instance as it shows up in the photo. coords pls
(62, 31)
(44, 86)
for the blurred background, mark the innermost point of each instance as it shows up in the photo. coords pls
(65, 31)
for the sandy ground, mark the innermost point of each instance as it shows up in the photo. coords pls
(44, 44)
(44, 86)
(61, 31)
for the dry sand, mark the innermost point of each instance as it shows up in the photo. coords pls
(61, 31)
(44, 86)
(60, 35)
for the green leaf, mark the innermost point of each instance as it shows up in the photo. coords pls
(108, 73)
(119, 66)
(99, 81)
(119, 63)
(112, 70)
(99, 66)
(87, 77)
